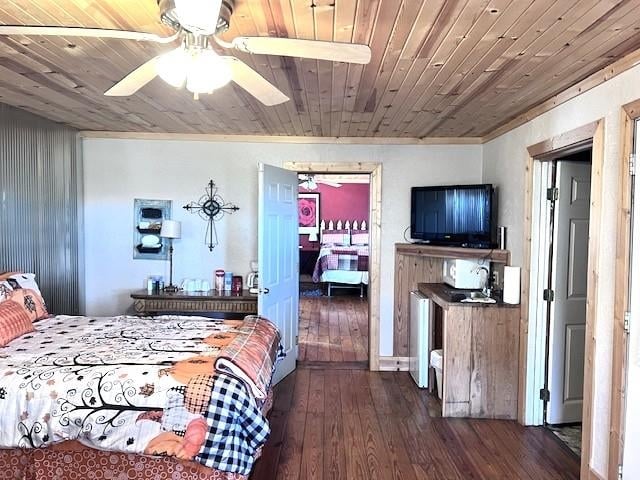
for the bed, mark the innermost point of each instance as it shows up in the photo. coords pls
(130, 397)
(343, 260)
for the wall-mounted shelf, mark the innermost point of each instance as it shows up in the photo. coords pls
(148, 216)
(145, 231)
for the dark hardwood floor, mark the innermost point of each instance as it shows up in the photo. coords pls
(333, 329)
(360, 425)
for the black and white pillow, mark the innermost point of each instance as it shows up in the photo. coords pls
(24, 280)
(21, 281)
(5, 290)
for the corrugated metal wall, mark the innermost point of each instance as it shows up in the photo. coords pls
(40, 211)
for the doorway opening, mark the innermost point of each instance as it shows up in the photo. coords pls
(560, 254)
(534, 306)
(569, 202)
(374, 170)
(334, 220)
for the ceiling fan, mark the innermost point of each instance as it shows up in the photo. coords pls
(196, 63)
(310, 181)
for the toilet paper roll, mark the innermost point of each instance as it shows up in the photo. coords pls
(511, 292)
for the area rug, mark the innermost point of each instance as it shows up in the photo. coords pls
(570, 435)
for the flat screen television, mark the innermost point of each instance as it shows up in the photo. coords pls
(455, 215)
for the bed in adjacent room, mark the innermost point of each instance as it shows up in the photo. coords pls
(148, 397)
(343, 261)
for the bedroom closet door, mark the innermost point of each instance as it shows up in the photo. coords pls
(278, 258)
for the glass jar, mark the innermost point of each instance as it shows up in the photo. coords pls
(219, 280)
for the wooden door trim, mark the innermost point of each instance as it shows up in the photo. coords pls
(375, 233)
(563, 142)
(630, 112)
(546, 150)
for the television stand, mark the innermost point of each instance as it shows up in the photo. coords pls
(443, 251)
(422, 263)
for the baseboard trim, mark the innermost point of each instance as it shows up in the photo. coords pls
(394, 364)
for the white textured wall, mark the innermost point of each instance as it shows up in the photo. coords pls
(504, 165)
(117, 171)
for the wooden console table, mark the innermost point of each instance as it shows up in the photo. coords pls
(239, 304)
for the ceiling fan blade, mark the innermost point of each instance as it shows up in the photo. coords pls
(84, 32)
(254, 83)
(331, 184)
(135, 80)
(316, 49)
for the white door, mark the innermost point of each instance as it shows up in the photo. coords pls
(278, 258)
(569, 283)
(630, 457)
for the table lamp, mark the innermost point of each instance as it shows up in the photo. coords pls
(171, 229)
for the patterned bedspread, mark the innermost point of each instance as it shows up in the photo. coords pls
(140, 385)
(351, 259)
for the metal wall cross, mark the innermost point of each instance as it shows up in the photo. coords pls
(211, 207)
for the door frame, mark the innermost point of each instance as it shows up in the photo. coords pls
(629, 114)
(531, 359)
(375, 231)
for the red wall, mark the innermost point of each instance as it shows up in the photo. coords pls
(348, 202)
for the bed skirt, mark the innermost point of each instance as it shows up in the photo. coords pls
(73, 461)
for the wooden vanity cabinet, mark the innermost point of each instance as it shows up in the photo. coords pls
(480, 355)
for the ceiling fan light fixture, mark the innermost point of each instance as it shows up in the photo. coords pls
(308, 182)
(172, 67)
(207, 72)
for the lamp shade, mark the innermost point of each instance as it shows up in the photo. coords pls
(171, 229)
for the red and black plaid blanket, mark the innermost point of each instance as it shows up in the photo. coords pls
(351, 259)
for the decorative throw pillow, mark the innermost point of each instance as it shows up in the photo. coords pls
(336, 237)
(31, 302)
(359, 237)
(14, 322)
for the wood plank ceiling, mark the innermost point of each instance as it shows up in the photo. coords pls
(440, 68)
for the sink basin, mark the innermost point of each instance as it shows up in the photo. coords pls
(469, 296)
(476, 295)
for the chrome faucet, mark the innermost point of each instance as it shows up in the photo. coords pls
(486, 291)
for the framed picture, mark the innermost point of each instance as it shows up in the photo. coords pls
(308, 213)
